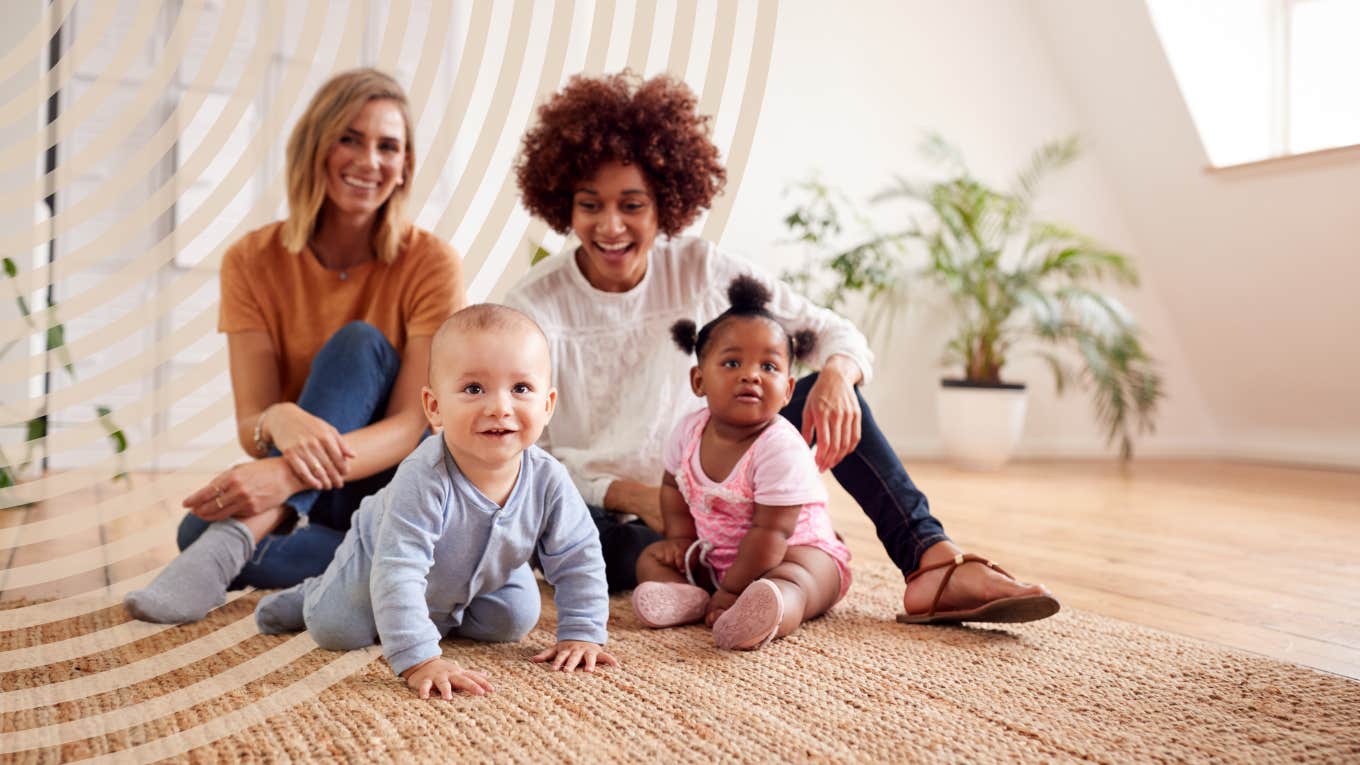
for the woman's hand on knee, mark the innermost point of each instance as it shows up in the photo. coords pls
(244, 490)
(314, 450)
(832, 416)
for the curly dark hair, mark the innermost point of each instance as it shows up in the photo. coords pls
(619, 118)
(749, 298)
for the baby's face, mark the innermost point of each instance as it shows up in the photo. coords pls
(744, 373)
(492, 395)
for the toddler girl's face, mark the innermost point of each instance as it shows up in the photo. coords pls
(493, 395)
(745, 372)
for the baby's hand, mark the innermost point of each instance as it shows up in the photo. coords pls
(717, 603)
(444, 675)
(671, 552)
(571, 653)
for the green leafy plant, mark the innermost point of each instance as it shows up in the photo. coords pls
(36, 427)
(1015, 285)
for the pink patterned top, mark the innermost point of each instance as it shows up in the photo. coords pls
(777, 469)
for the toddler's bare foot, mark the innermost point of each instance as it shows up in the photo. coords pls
(972, 587)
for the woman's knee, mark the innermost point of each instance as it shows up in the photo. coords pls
(190, 529)
(356, 340)
(358, 334)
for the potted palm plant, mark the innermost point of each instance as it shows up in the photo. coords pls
(1014, 285)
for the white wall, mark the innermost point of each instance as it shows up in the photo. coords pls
(851, 94)
(1256, 268)
(1247, 277)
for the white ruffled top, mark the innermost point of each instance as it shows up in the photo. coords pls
(622, 383)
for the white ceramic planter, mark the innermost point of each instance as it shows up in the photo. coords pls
(980, 425)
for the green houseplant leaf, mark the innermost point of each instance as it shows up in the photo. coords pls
(1014, 284)
(36, 428)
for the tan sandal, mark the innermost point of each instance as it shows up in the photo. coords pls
(1026, 608)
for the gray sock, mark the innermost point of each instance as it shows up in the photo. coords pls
(195, 582)
(281, 611)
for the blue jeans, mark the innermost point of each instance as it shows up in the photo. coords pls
(622, 545)
(348, 387)
(872, 474)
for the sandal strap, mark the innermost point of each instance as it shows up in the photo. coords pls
(953, 564)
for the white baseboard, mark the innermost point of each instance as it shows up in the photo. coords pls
(1342, 454)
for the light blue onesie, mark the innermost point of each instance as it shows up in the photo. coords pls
(429, 555)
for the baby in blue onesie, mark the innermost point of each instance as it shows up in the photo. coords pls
(444, 548)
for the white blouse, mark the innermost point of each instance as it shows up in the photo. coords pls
(622, 384)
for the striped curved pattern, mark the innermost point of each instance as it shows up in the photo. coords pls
(139, 140)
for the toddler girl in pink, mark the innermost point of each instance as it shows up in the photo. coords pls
(748, 543)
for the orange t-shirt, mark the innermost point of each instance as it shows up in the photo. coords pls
(301, 304)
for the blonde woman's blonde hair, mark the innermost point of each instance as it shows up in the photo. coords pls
(332, 109)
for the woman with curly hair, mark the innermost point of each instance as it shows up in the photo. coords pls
(329, 316)
(625, 166)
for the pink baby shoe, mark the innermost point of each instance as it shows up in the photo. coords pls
(753, 620)
(669, 604)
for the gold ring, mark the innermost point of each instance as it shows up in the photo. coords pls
(316, 465)
(218, 489)
(218, 500)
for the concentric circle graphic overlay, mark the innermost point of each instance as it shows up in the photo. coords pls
(138, 140)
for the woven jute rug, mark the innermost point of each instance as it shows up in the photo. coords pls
(853, 686)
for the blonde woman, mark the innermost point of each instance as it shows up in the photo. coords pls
(328, 317)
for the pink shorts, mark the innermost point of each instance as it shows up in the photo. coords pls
(699, 564)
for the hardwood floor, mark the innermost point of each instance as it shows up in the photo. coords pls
(1256, 557)
(1260, 558)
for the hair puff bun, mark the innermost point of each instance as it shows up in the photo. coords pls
(747, 293)
(685, 334)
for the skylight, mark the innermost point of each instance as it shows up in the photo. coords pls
(1265, 78)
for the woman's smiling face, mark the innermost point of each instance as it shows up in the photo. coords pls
(613, 213)
(365, 165)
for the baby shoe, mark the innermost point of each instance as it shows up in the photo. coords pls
(753, 620)
(669, 604)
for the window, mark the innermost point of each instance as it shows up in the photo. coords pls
(1265, 78)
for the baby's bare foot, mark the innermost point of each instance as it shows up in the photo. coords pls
(972, 584)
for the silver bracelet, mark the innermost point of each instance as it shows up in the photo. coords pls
(261, 445)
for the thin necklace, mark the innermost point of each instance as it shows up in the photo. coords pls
(342, 272)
